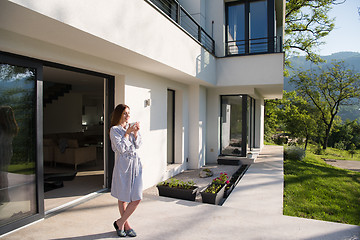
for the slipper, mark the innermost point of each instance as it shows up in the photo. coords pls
(120, 233)
(130, 233)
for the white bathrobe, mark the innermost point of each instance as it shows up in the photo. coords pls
(127, 175)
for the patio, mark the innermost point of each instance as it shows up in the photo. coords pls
(252, 211)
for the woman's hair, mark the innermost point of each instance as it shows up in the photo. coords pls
(7, 120)
(116, 114)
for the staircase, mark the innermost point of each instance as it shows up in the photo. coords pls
(52, 91)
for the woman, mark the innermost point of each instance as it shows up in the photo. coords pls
(127, 174)
(8, 130)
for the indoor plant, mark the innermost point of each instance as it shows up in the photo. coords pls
(215, 191)
(176, 188)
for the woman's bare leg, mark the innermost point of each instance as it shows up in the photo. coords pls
(130, 208)
(122, 206)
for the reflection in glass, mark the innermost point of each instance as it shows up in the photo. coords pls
(258, 26)
(236, 29)
(231, 125)
(17, 143)
(247, 27)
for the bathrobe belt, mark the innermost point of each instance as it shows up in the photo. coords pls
(133, 160)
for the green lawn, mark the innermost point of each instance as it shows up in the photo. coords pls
(316, 190)
(24, 168)
(333, 153)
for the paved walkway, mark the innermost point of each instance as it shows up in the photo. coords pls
(253, 211)
(346, 164)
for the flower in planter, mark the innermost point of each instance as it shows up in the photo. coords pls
(176, 188)
(222, 179)
(217, 183)
(213, 188)
(176, 183)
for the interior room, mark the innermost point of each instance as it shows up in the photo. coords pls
(73, 134)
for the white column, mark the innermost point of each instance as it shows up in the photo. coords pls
(194, 133)
(259, 123)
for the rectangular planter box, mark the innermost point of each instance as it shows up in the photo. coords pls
(213, 198)
(179, 193)
(228, 191)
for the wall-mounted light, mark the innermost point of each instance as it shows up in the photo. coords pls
(147, 102)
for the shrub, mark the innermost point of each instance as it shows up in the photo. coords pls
(319, 150)
(280, 140)
(294, 153)
(340, 145)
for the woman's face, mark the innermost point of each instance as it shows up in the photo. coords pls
(125, 116)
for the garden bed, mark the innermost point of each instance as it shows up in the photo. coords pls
(235, 172)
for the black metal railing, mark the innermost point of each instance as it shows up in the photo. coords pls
(176, 12)
(256, 45)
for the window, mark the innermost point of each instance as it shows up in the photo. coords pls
(233, 121)
(249, 25)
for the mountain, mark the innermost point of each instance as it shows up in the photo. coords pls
(351, 59)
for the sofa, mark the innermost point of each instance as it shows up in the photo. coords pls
(68, 148)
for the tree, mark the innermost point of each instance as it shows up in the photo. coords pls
(306, 23)
(271, 122)
(327, 89)
(293, 116)
(298, 116)
(345, 134)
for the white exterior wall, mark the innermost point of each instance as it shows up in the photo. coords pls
(119, 34)
(153, 152)
(109, 38)
(132, 87)
(259, 123)
(202, 126)
(197, 9)
(250, 70)
(215, 12)
(262, 117)
(213, 126)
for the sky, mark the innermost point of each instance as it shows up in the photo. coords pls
(346, 34)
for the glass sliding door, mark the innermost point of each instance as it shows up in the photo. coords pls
(232, 125)
(19, 182)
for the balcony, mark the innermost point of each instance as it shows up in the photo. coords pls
(173, 10)
(254, 46)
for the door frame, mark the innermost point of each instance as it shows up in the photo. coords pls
(109, 98)
(172, 140)
(39, 182)
(244, 122)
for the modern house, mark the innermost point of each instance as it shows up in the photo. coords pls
(195, 74)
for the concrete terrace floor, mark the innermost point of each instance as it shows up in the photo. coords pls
(252, 211)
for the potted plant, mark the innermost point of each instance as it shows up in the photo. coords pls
(214, 193)
(175, 188)
(204, 173)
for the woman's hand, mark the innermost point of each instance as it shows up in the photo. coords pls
(136, 127)
(133, 128)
